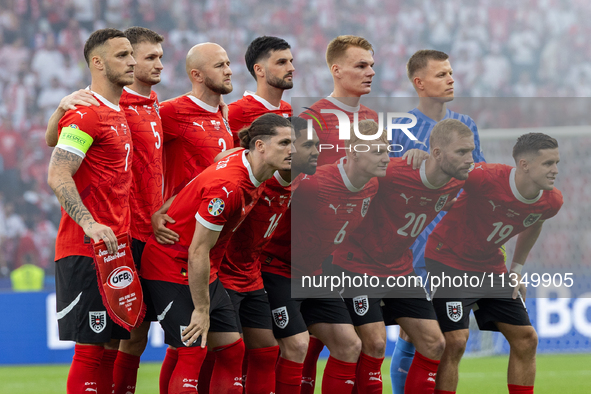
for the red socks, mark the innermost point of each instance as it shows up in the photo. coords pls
(167, 368)
(227, 372)
(339, 376)
(288, 375)
(185, 376)
(105, 372)
(421, 375)
(83, 371)
(516, 389)
(368, 377)
(444, 392)
(206, 371)
(125, 373)
(260, 376)
(309, 373)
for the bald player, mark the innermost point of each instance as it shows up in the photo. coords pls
(194, 129)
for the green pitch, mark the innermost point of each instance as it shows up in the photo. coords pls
(556, 373)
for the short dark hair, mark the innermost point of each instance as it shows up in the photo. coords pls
(421, 58)
(532, 143)
(298, 125)
(263, 127)
(137, 34)
(260, 48)
(98, 38)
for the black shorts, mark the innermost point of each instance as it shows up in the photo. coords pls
(82, 316)
(252, 309)
(453, 313)
(294, 316)
(174, 306)
(416, 308)
(137, 249)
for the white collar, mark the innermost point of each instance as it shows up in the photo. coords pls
(203, 105)
(261, 100)
(280, 179)
(346, 180)
(343, 106)
(516, 192)
(128, 90)
(424, 177)
(105, 101)
(247, 165)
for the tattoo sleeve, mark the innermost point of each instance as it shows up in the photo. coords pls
(62, 166)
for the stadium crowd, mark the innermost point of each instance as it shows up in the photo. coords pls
(498, 49)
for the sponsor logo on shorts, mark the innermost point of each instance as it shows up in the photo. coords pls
(216, 206)
(120, 278)
(441, 202)
(361, 305)
(531, 219)
(280, 317)
(97, 321)
(454, 311)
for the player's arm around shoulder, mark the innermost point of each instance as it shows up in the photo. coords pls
(82, 97)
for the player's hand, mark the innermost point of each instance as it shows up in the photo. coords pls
(449, 204)
(520, 286)
(224, 108)
(199, 327)
(80, 97)
(164, 236)
(99, 232)
(415, 157)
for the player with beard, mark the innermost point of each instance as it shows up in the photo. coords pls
(193, 306)
(431, 74)
(380, 247)
(194, 128)
(498, 203)
(270, 62)
(89, 173)
(141, 107)
(350, 61)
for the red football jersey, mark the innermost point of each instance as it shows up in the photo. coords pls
(243, 112)
(241, 268)
(143, 118)
(194, 133)
(104, 177)
(276, 255)
(488, 213)
(326, 209)
(328, 133)
(404, 205)
(219, 198)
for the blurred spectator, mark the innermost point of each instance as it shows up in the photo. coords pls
(50, 97)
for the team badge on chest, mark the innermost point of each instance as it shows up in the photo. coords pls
(441, 202)
(365, 206)
(531, 219)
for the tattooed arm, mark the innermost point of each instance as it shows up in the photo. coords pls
(62, 166)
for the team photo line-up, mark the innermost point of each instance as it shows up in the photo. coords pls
(180, 212)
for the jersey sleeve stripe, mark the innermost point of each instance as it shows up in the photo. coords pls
(206, 224)
(71, 149)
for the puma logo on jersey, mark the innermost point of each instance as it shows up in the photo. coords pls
(81, 114)
(193, 386)
(309, 381)
(200, 125)
(424, 143)
(478, 166)
(115, 128)
(333, 207)
(305, 177)
(493, 205)
(268, 200)
(406, 198)
(350, 382)
(134, 109)
(227, 192)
